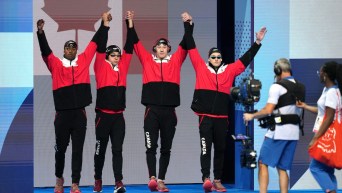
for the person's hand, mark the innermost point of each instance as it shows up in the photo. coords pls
(312, 142)
(40, 24)
(260, 35)
(300, 104)
(248, 117)
(186, 17)
(109, 17)
(129, 15)
(106, 17)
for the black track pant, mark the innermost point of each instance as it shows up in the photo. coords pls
(109, 126)
(163, 120)
(70, 123)
(212, 130)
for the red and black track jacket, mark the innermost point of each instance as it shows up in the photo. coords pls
(70, 79)
(211, 96)
(111, 81)
(161, 78)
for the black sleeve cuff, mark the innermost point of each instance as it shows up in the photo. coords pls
(99, 33)
(133, 34)
(250, 54)
(188, 37)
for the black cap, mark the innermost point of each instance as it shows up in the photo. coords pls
(113, 48)
(162, 41)
(213, 50)
(70, 43)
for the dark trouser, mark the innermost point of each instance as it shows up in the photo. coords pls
(212, 130)
(70, 123)
(113, 126)
(157, 119)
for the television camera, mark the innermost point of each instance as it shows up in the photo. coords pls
(247, 93)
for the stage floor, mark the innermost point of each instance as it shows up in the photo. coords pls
(176, 188)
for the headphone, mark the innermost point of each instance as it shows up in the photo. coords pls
(161, 41)
(277, 70)
(112, 48)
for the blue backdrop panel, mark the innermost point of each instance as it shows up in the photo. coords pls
(16, 158)
(16, 16)
(243, 40)
(305, 71)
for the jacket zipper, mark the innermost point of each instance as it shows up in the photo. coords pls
(162, 79)
(117, 82)
(73, 81)
(73, 73)
(212, 110)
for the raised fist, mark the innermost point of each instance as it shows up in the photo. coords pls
(109, 17)
(130, 15)
(40, 24)
(106, 17)
(186, 17)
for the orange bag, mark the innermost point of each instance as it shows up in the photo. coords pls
(328, 148)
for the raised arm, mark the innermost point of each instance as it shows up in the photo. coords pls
(101, 35)
(139, 49)
(253, 50)
(99, 40)
(43, 44)
(132, 37)
(189, 41)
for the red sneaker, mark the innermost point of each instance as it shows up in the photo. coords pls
(98, 186)
(119, 187)
(152, 184)
(74, 188)
(161, 186)
(218, 186)
(207, 185)
(59, 185)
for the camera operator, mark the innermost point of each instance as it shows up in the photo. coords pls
(210, 101)
(281, 138)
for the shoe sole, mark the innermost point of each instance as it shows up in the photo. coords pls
(121, 190)
(217, 190)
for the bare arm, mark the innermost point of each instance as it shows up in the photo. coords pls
(305, 106)
(267, 110)
(329, 118)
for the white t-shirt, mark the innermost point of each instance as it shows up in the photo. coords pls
(287, 131)
(331, 97)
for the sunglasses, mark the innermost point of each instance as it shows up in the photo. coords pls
(113, 55)
(214, 57)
